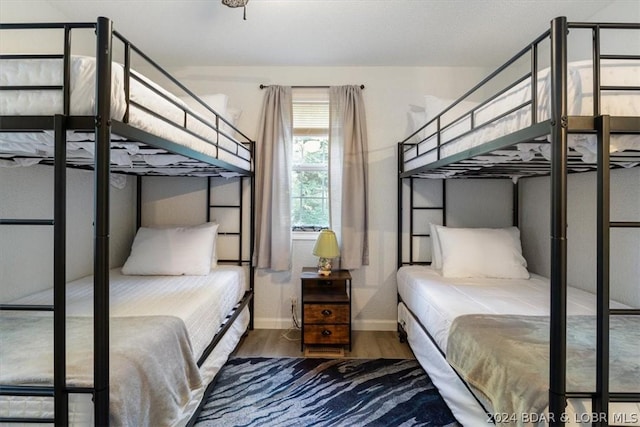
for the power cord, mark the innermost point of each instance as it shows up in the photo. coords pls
(286, 333)
(294, 314)
(296, 324)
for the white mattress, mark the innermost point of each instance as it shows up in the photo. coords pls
(580, 103)
(464, 406)
(436, 301)
(46, 102)
(202, 302)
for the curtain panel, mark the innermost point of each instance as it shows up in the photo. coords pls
(273, 181)
(348, 175)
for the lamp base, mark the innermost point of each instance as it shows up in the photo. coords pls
(324, 266)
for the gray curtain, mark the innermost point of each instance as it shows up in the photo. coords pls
(273, 170)
(348, 175)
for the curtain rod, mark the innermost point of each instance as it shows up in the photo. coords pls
(305, 87)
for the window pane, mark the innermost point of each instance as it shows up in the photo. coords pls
(310, 150)
(310, 160)
(309, 199)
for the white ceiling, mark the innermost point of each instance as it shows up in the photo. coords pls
(331, 32)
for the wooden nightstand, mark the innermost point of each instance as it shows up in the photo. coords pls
(326, 308)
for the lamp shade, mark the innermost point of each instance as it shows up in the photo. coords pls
(326, 245)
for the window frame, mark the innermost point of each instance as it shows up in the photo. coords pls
(310, 97)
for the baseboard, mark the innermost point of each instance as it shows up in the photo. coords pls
(374, 325)
(272, 323)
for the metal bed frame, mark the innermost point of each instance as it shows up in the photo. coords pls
(562, 162)
(102, 128)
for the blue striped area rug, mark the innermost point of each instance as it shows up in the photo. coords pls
(324, 392)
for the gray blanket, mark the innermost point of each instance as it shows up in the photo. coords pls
(152, 369)
(507, 357)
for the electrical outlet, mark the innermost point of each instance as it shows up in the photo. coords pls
(294, 301)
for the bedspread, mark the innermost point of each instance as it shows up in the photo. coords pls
(506, 357)
(152, 369)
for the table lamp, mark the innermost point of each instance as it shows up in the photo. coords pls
(326, 248)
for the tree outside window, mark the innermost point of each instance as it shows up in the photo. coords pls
(310, 185)
(310, 161)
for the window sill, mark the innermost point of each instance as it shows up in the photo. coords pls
(304, 235)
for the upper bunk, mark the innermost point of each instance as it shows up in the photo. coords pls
(53, 77)
(505, 126)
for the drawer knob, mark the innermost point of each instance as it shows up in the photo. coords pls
(326, 312)
(326, 332)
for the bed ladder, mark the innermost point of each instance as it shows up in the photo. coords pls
(412, 209)
(603, 395)
(413, 234)
(59, 391)
(242, 230)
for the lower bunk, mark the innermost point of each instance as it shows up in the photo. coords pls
(169, 336)
(495, 332)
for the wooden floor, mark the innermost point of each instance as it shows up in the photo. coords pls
(283, 343)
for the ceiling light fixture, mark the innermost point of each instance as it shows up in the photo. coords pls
(237, 3)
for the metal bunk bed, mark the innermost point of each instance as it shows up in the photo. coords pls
(472, 163)
(195, 163)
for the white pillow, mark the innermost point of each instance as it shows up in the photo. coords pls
(218, 102)
(172, 251)
(214, 249)
(417, 118)
(482, 252)
(434, 106)
(436, 248)
(233, 115)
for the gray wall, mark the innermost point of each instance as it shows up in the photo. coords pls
(470, 203)
(581, 231)
(26, 252)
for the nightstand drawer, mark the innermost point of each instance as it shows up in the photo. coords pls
(326, 313)
(326, 334)
(324, 283)
(326, 308)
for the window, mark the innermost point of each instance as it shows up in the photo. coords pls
(310, 160)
